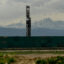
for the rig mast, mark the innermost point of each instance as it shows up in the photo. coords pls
(28, 22)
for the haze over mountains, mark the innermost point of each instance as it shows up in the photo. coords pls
(45, 27)
(50, 24)
(45, 23)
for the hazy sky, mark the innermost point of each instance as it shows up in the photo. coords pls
(13, 11)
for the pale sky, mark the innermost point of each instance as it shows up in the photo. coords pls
(14, 11)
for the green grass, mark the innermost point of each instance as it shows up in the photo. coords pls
(32, 52)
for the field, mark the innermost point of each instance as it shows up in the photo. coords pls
(27, 56)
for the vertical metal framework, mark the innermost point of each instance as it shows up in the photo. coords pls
(28, 22)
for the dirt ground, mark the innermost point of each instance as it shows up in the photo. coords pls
(31, 58)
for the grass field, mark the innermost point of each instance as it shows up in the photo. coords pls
(31, 52)
(27, 56)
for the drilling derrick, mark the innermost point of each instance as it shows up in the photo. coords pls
(28, 22)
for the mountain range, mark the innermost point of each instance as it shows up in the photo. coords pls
(46, 27)
(45, 23)
(34, 32)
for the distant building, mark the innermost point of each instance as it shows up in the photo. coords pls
(28, 22)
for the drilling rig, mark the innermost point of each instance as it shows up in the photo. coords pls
(28, 22)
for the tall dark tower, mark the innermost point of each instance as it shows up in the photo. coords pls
(28, 22)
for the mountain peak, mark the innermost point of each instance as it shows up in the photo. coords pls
(47, 20)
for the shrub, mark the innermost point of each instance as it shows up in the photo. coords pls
(2, 61)
(38, 62)
(41, 62)
(52, 60)
(10, 60)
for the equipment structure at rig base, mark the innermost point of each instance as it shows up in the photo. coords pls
(28, 22)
